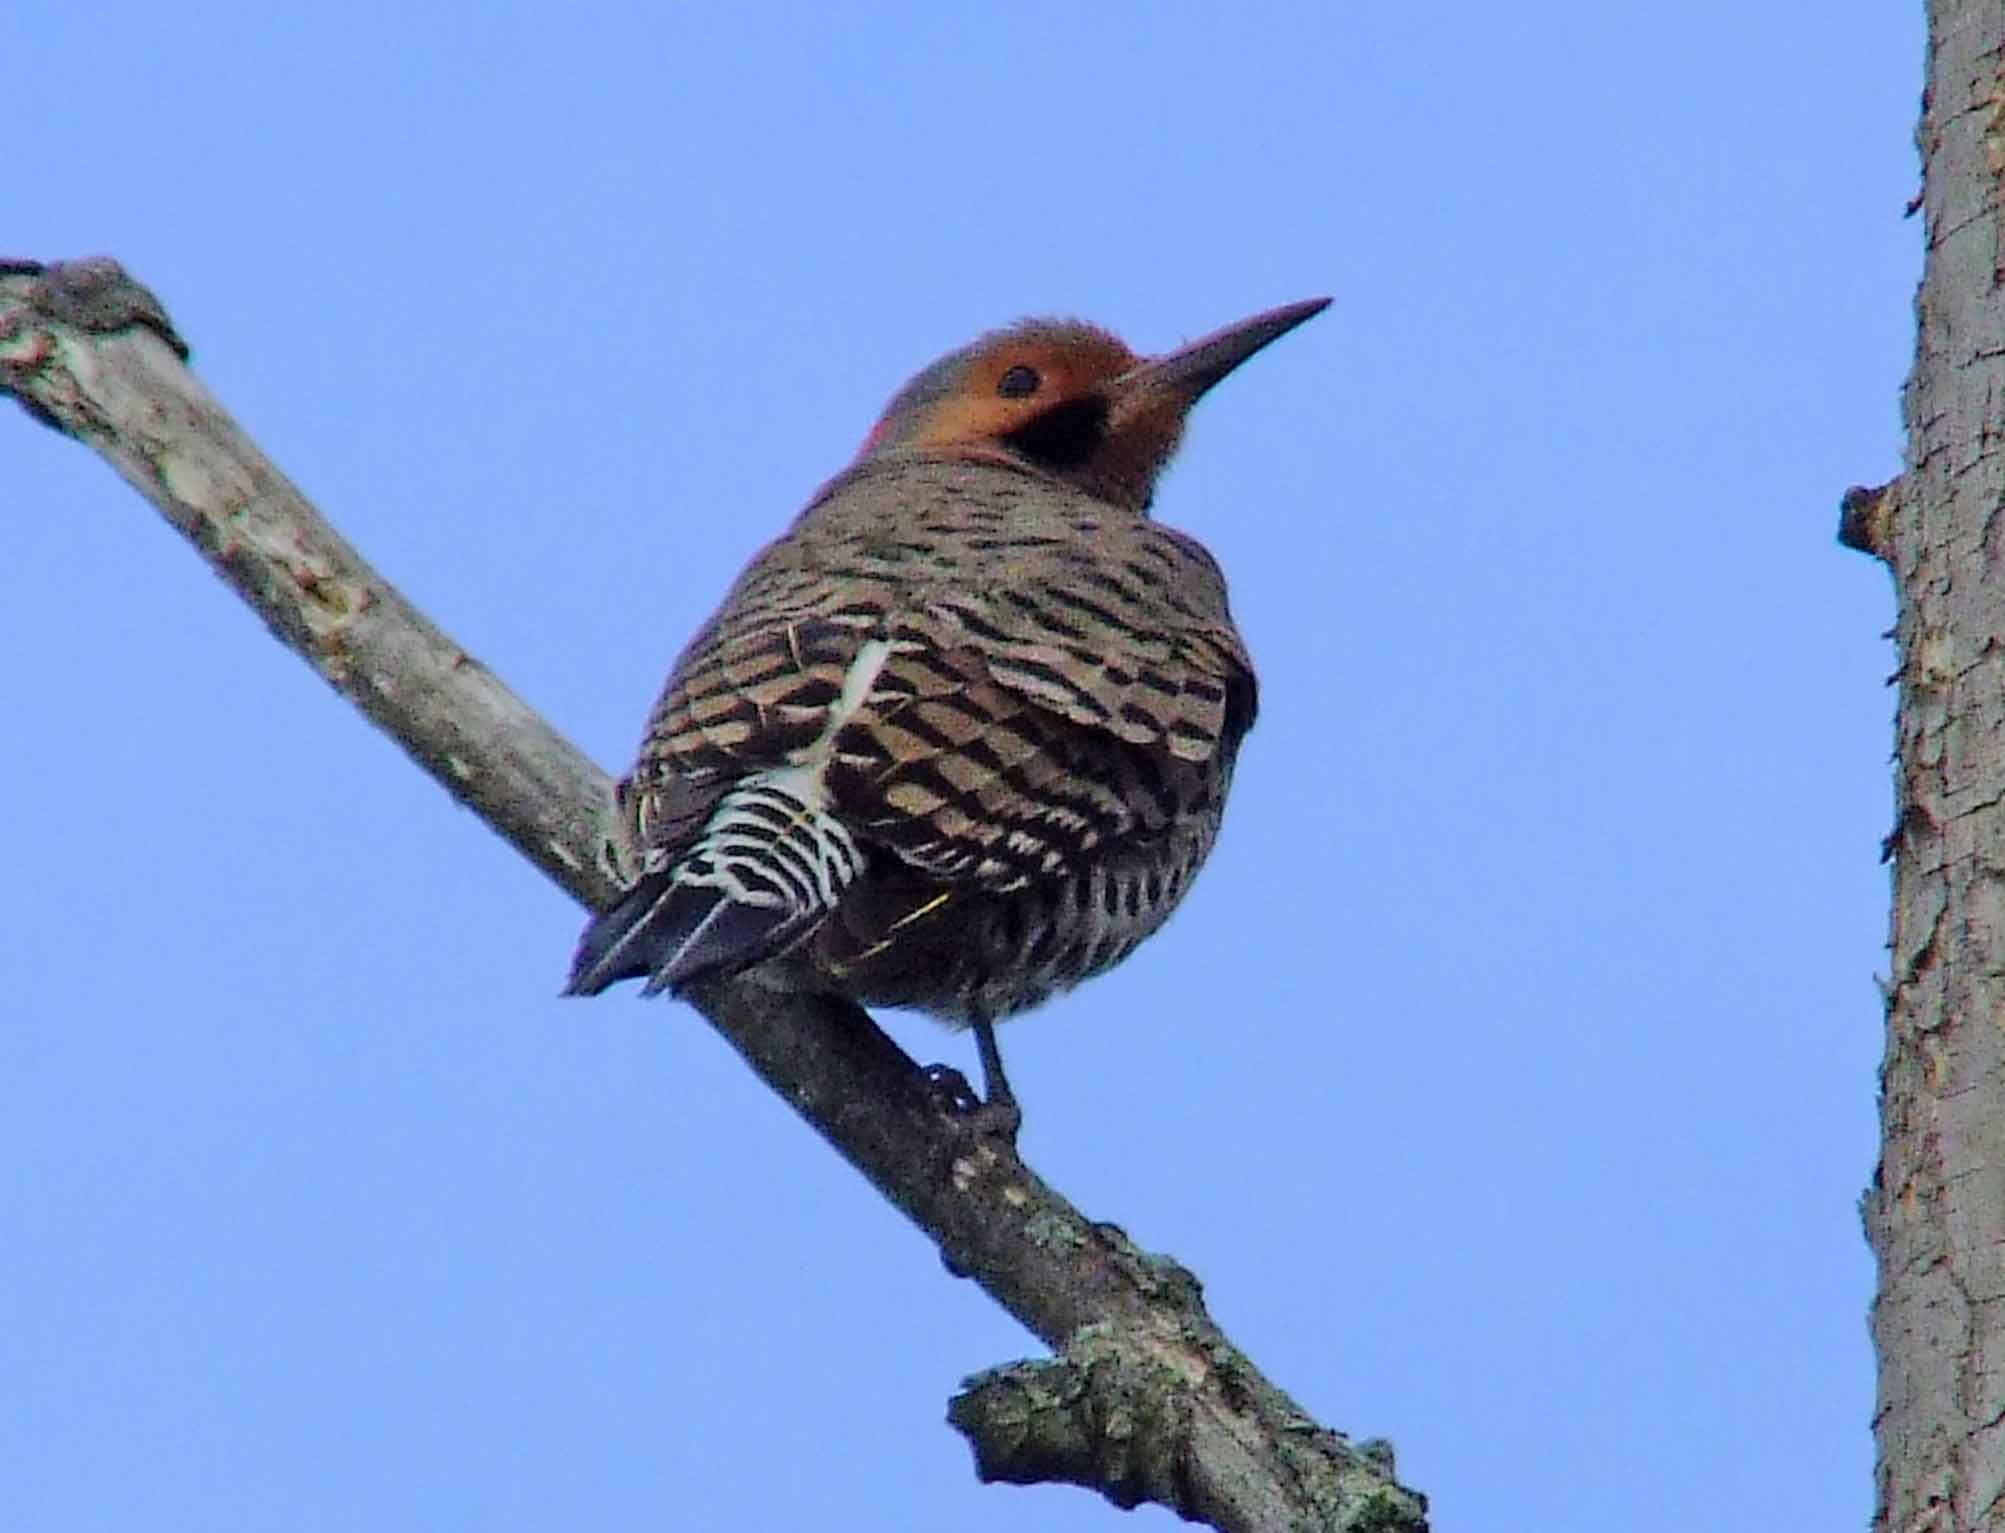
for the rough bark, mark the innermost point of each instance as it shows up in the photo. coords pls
(1147, 1400)
(1935, 1213)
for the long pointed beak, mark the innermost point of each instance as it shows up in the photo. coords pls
(1186, 373)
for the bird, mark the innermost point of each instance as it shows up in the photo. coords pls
(961, 736)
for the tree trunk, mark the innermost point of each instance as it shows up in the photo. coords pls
(1935, 1213)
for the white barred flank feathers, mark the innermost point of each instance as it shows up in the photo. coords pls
(765, 847)
(766, 850)
(767, 867)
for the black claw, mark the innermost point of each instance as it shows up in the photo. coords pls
(997, 1118)
(951, 1091)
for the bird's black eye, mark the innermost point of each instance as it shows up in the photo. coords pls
(1018, 382)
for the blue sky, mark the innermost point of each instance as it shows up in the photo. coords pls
(1508, 1078)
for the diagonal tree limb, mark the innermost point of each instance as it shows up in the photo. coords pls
(1147, 1399)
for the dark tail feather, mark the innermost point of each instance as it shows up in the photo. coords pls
(768, 868)
(669, 933)
(612, 946)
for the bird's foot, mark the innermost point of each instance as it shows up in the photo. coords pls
(950, 1091)
(997, 1118)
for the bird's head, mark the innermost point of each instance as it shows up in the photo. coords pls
(1069, 400)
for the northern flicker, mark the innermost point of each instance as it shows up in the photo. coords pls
(961, 736)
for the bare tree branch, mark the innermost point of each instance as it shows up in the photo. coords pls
(1148, 1400)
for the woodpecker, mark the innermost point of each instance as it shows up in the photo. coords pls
(961, 736)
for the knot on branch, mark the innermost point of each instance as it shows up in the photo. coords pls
(1865, 518)
(1104, 1415)
(95, 295)
(44, 306)
(1115, 1414)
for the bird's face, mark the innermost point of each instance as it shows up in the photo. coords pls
(1009, 384)
(1069, 400)
(1035, 392)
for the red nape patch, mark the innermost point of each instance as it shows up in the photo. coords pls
(876, 435)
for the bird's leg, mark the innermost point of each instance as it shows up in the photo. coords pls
(999, 1113)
